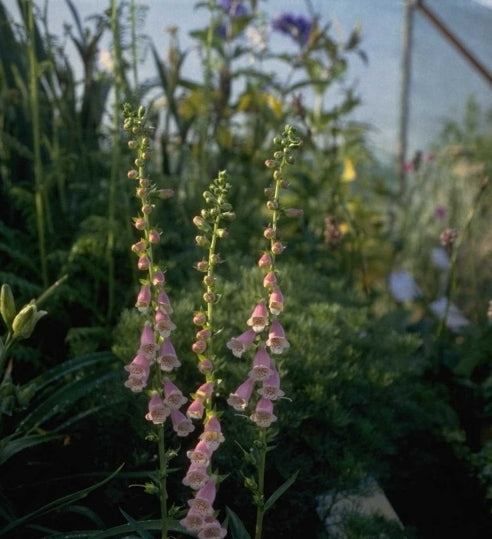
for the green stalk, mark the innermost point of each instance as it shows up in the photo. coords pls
(163, 482)
(260, 507)
(36, 134)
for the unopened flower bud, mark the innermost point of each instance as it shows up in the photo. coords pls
(199, 347)
(272, 205)
(154, 237)
(147, 209)
(269, 233)
(264, 261)
(132, 174)
(229, 215)
(225, 206)
(132, 144)
(202, 241)
(222, 233)
(142, 192)
(205, 366)
(209, 280)
(139, 223)
(25, 321)
(139, 247)
(271, 163)
(215, 258)
(269, 192)
(203, 334)
(209, 297)
(201, 223)
(7, 305)
(199, 318)
(277, 248)
(278, 154)
(202, 265)
(144, 182)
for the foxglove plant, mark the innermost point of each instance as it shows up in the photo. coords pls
(210, 224)
(155, 361)
(266, 336)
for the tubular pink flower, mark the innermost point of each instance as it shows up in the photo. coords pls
(212, 433)
(166, 357)
(200, 456)
(276, 302)
(136, 383)
(195, 409)
(271, 387)
(139, 366)
(261, 365)
(270, 281)
(163, 324)
(158, 278)
(263, 414)
(259, 317)
(212, 530)
(238, 345)
(143, 298)
(202, 503)
(276, 338)
(240, 398)
(196, 477)
(182, 425)
(173, 397)
(158, 411)
(148, 346)
(163, 303)
(193, 521)
(205, 390)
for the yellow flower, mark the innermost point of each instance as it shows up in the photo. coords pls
(348, 174)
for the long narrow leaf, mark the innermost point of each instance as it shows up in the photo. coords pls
(236, 527)
(276, 495)
(136, 526)
(57, 504)
(9, 445)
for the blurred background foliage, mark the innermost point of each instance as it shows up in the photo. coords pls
(377, 386)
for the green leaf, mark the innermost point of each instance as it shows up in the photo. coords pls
(276, 495)
(136, 526)
(10, 445)
(57, 504)
(236, 527)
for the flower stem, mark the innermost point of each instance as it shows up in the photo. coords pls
(260, 508)
(163, 481)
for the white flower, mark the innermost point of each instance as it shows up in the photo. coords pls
(454, 320)
(403, 286)
(440, 258)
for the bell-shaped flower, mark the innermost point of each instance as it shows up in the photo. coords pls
(166, 357)
(196, 477)
(182, 425)
(276, 338)
(148, 346)
(271, 387)
(139, 366)
(263, 415)
(173, 397)
(202, 503)
(163, 303)
(196, 409)
(276, 302)
(212, 529)
(200, 456)
(238, 345)
(163, 324)
(212, 433)
(158, 411)
(205, 390)
(193, 521)
(158, 277)
(136, 383)
(144, 298)
(261, 365)
(259, 317)
(240, 398)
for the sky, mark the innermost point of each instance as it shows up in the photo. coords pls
(441, 81)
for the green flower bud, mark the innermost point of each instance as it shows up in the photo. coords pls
(26, 320)
(7, 305)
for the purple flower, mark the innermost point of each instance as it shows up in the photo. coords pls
(296, 26)
(234, 8)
